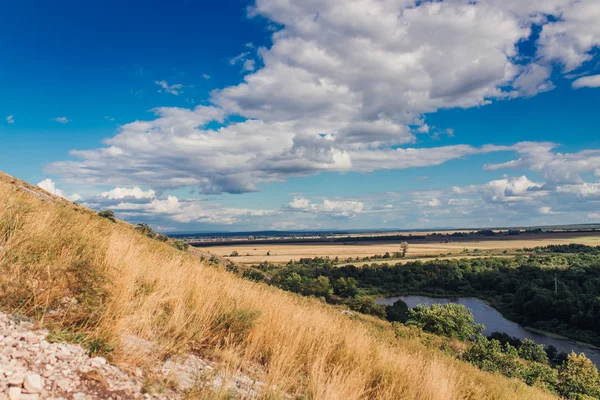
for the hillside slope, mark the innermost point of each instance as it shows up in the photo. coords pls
(98, 282)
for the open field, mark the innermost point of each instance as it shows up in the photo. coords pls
(282, 253)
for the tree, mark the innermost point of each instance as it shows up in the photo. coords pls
(490, 355)
(403, 248)
(108, 214)
(451, 320)
(345, 287)
(531, 351)
(234, 254)
(321, 287)
(578, 375)
(397, 312)
(540, 375)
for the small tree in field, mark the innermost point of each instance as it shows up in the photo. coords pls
(234, 254)
(403, 248)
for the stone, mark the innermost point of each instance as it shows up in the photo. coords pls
(15, 380)
(64, 384)
(29, 396)
(14, 393)
(33, 383)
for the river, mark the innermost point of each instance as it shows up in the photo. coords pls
(495, 322)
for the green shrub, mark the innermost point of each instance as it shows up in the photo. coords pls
(146, 230)
(253, 275)
(162, 238)
(108, 214)
(180, 244)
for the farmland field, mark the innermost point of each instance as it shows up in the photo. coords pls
(282, 253)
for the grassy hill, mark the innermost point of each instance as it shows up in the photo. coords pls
(95, 281)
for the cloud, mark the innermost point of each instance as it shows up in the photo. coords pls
(594, 215)
(592, 81)
(545, 210)
(349, 90)
(62, 120)
(173, 89)
(49, 186)
(570, 38)
(119, 193)
(557, 168)
(239, 58)
(136, 204)
(331, 208)
(515, 189)
(109, 118)
(249, 65)
(10, 119)
(206, 76)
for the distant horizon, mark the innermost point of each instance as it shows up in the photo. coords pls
(366, 230)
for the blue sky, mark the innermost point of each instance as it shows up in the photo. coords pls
(251, 115)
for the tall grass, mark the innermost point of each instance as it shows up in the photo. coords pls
(87, 277)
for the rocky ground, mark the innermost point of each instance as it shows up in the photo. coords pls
(31, 368)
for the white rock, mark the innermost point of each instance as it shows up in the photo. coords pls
(16, 380)
(99, 360)
(14, 393)
(29, 396)
(33, 383)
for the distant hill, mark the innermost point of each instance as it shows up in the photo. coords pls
(107, 285)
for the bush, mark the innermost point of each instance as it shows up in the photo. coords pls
(180, 244)
(366, 305)
(397, 312)
(253, 275)
(234, 254)
(146, 230)
(108, 214)
(451, 320)
(162, 238)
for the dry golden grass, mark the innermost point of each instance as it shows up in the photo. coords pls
(282, 253)
(125, 283)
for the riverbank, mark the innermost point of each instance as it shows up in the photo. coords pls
(494, 321)
(494, 303)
